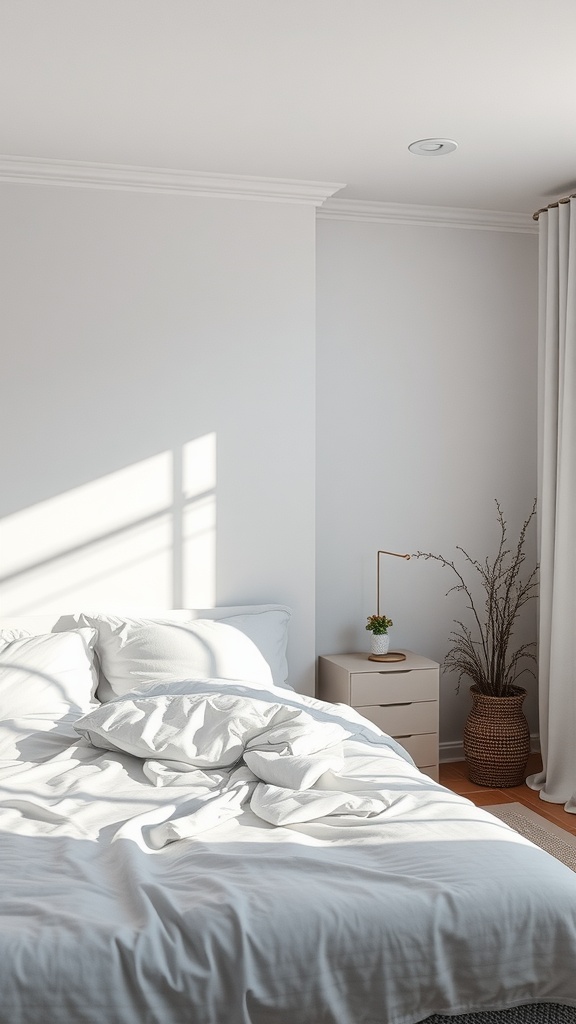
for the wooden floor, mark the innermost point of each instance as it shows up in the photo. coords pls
(454, 776)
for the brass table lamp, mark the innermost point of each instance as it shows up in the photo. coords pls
(392, 655)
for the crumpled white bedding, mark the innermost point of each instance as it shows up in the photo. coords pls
(287, 864)
(239, 750)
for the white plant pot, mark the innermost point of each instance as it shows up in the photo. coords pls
(379, 643)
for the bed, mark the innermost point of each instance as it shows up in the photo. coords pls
(184, 839)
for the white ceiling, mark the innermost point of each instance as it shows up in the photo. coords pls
(320, 90)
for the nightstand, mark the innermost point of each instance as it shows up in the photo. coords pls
(401, 698)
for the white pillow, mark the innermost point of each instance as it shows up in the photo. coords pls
(266, 625)
(133, 651)
(48, 673)
(44, 680)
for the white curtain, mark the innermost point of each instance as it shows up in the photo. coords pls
(557, 504)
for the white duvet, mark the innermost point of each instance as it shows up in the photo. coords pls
(208, 853)
(234, 751)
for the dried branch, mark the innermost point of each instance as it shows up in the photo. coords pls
(483, 653)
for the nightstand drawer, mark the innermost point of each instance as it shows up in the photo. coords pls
(404, 719)
(423, 749)
(370, 688)
(400, 697)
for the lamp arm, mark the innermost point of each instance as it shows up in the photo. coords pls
(396, 554)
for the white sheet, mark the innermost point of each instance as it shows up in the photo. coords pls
(431, 905)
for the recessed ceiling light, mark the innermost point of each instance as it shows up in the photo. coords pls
(433, 147)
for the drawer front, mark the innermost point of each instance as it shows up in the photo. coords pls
(423, 749)
(370, 688)
(404, 719)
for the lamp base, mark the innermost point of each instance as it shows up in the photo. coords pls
(391, 656)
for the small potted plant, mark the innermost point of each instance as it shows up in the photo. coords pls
(379, 625)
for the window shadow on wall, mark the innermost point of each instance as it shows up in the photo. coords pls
(143, 535)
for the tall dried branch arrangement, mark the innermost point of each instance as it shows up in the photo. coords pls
(482, 652)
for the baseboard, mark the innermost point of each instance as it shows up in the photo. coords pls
(454, 750)
(451, 752)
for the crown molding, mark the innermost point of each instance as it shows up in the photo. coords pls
(125, 178)
(128, 178)
(430, 216)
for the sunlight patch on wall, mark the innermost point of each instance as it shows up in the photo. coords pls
(198, 522)
(141, 536)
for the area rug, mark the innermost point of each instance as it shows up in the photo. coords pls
(538, 830)
(535, 1013)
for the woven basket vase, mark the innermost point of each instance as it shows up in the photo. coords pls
(497, 739)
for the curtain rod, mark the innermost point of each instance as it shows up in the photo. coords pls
(551, 206)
